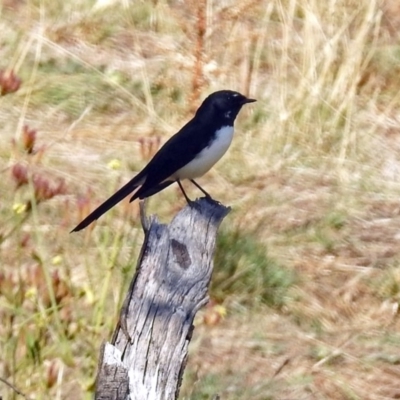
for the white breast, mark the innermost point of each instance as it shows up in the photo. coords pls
(208, 157)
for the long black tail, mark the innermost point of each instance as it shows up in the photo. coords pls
(111, 202)
(143, 192)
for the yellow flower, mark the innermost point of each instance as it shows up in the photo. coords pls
(114, 164)
(56, 260)
(19, 208)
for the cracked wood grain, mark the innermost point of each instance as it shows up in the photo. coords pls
(148, 352)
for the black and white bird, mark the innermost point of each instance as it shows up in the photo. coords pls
(188, 154)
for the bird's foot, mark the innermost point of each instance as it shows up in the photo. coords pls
(211, 200)
(194, 204)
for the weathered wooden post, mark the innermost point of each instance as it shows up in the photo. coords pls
(148, 352)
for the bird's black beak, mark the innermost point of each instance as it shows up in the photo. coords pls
(246, 100)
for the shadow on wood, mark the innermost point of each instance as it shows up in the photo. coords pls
(148, 352)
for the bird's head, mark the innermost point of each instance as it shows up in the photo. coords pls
(224, 104)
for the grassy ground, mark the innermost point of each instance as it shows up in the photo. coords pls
(306, 287)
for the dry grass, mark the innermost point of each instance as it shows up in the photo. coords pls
(313, 178)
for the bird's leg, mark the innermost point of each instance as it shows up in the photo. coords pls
(208, 197)
(190, 202)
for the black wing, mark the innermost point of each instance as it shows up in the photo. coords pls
(178, 151)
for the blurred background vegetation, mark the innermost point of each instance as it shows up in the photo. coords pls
(306, 287)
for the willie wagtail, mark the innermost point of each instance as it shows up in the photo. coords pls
(188, 154)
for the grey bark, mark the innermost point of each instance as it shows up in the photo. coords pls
(147, 355)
